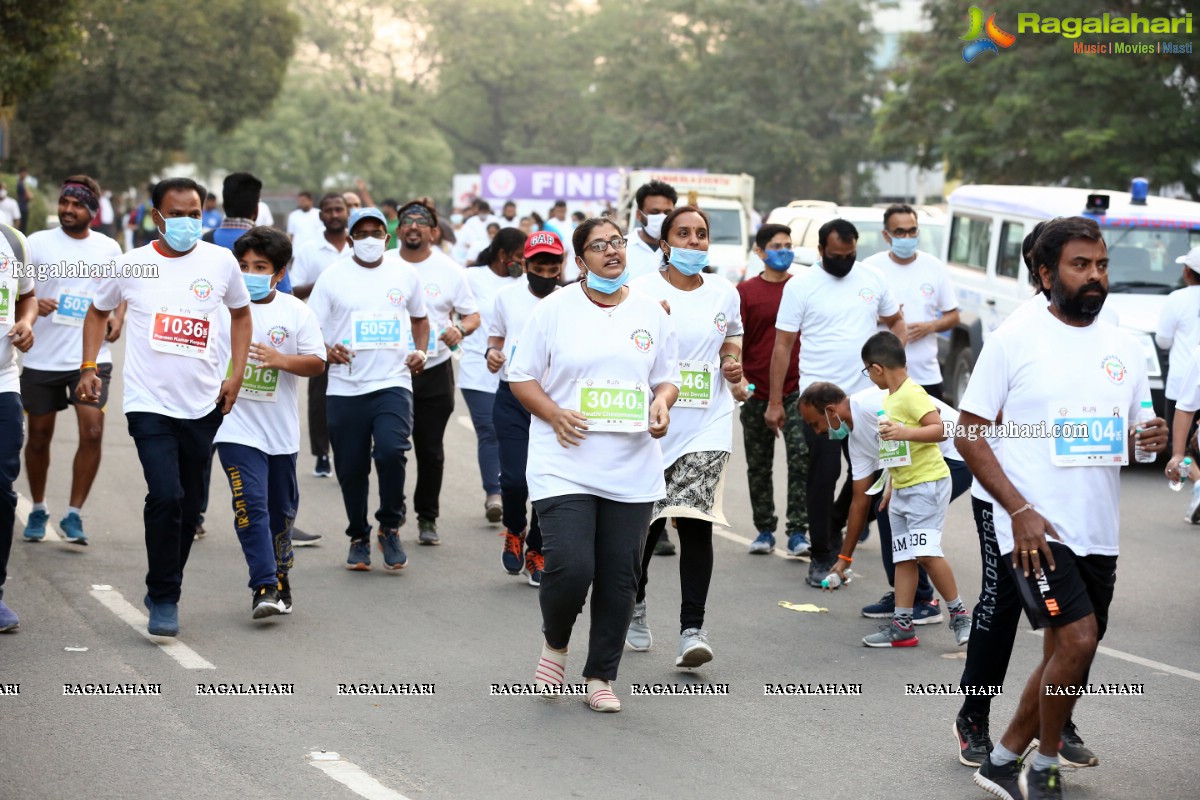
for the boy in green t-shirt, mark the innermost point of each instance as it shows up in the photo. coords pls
(909, 432)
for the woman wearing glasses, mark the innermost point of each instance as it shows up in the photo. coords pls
(597, 368)
(707, 315)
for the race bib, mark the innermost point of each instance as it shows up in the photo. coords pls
(894, 454)
(619, 406)
(72, 308)
(1088, 435)
(8, 300)
(696, 388)
(258, 383)
(430, 348)
(180, 333)
(372, 330)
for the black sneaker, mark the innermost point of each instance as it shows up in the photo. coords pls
(1072, 751)
(323, 469)
(285, 594)
(974, 744)
(817, 572)
(266, 602)
(1002, 782)
(303, 539)
(427, 532)
(1041, 784)
(664, 546)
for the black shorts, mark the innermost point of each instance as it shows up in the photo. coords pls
(45, 391)
(1078, 586)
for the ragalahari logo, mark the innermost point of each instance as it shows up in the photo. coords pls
(984, 38)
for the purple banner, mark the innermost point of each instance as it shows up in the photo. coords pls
(528, 182)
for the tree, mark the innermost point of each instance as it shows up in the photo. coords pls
(37, 38)
(147, 71)
(1037, 112)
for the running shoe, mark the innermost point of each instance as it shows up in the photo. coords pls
(694, 649)
(1193, 512)
(266, 602)
(510, 556)
(72, 529)
(492, 508)
(960, 623)
(892, 635)
(285, 594)
(360, 555)
(427, 532)
(199, 533)
(1041, 784)
(764, 544)
(1002, 781)
(664, 546)
(974, 744)
(8, 619)
(164, 618)
(885, 608)
(323, 469)
(35, 526)
(1072, 751)
(535, 565)
(638, 638)
(817, 572)
(927, 613)
(394, 556)
(798, 546)
(303, 539)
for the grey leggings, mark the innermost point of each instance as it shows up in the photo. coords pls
(591, 542)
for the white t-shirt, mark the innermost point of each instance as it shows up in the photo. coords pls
(311, 258)
(703, 319)
(10, 211)
(472, 370)
(11, 290)
(473, 237)
(924, 291)
(835, 317)
(1029, 370)
(265, 217)
(514, 306)
(172, 325)
(864, 436)
(1189, 382)
(273, 426)
(58, 336)
(446, 290)
(569, 339)
(641, 258)
(391, 290)
(304, 225)
(1179, 330)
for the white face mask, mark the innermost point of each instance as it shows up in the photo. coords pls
(368, 251)
(654, 223)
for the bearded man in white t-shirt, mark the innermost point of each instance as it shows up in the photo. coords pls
(1069, 386)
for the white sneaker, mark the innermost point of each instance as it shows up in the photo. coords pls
(638, 638)
(694, 649)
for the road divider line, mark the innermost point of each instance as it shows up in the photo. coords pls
(781, 552)
(353, 777)
(1145, 662)
(24, 508)
(111, 599)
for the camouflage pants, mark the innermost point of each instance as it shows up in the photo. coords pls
(760, 457)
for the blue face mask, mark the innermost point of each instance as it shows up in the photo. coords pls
(904, 248)
(182, 233)
(838, 433)
(779, 260)
(259, 285)
(689, 262)
(607, 285)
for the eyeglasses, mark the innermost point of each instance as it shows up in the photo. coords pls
(866, 371)
(600, 246)
(378, 233)
(904, 233)
(416, 222)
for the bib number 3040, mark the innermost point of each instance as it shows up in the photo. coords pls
(619, 406)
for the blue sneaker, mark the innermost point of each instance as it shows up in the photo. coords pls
(164, 618)
(8, 619)
(72, 528)
(394, 556)
(765, 543)
(884, 609)
(511, 556)
(927, 613)
(35, 526)
(798, 546)
(360, 555)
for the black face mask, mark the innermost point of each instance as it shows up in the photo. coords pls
(541, 286)
(838, 266)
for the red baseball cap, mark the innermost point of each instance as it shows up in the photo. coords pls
(543, 242)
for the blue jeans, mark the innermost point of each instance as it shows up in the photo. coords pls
(265, 500)
(383, 418)
(480, 405)
(12, 437)
(174, 455)
(511, 421)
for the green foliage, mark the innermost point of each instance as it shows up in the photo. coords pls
(38, 207)
(37, 37)
(1037, 113)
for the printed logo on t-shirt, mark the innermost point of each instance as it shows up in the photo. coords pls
(867, 296)
(720, 322)
(433, 290)
(4, 262)
(395, 297)
(201, 288)
(927, 290)
(278, 335)
(642, 339)
(1114, 368)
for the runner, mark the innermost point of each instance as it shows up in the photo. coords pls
(18, 310)
(1060, 365)
(49, 375)
(501, 265)
(259, 440)
(446, 294)
(588, 361)
(514, 306)
(655, 200)
(366, 304)
(175, 398)
(706, 312)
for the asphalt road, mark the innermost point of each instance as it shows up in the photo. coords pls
(454, 619)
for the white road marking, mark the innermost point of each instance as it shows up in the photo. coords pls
(1145, 662)
(116, 603)
(24, 507)
(352, 777)
(781, 552)
(465, 421)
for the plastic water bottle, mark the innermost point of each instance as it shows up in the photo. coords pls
(350, 365)
(889, 447)
(1185, 468)
(1145, 414)
(832, 581)
(749, 391)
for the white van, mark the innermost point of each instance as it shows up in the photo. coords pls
(982, 251)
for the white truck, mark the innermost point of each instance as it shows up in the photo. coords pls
(727, 199)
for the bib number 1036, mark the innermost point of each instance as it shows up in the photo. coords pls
(180, 334)
(621, 406)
